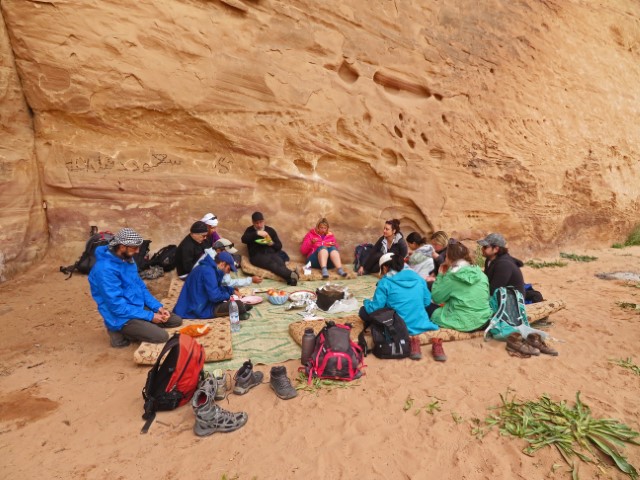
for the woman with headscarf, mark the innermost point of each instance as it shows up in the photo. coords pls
(321, 249)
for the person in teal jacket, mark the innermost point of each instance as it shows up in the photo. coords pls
(464, 290)
(404, 291)
(129, 311)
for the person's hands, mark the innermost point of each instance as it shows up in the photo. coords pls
(256, 279)
(237, 292)
(262, 233)
(360, 270)
(164, 312)
(314, 240)
(431, 278)
(435, 255)
(159, 318)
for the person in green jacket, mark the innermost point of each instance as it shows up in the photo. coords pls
(464, 290)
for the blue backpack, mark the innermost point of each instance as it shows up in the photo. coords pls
(509, 315)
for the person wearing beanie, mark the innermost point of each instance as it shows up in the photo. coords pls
(129, 311)
(191, 248)
(265, 249)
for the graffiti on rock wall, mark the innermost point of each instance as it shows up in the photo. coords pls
(103, 163)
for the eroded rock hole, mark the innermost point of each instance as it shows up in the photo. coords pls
(398, 131)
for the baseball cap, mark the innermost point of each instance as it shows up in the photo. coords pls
(225, 244)
(385, 258)
(226, 257)
(493, 239)
(210, 219)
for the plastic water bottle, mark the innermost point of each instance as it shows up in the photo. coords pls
(234, 316)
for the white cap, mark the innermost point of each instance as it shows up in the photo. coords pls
(385, 258)
(210, 219)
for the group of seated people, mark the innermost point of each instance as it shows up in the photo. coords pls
(430, 284)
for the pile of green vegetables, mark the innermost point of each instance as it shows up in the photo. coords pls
(571, 430)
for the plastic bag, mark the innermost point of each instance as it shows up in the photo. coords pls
(344, 305)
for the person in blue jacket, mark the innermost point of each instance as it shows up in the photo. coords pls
(129, 311)
(403, 290)
(203, 294)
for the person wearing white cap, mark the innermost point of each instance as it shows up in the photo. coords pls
(129, 311)
(406, 292)
(212, 224)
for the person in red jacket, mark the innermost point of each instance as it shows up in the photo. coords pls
(321, 249)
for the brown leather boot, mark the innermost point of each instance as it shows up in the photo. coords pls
(416, 350)
(535, 340)
(517, 345)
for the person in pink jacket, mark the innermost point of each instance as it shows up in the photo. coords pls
(321, 249)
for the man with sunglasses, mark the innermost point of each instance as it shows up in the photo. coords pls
(501, 268)
(191, 248)
(129, 311)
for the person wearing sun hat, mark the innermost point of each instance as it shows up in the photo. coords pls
(500, 267)
(129, 311)
(191, 248)
(212, 224)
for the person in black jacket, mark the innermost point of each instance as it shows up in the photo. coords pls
(191, 248)
(265, 249)
(390, 241)
(501, 268)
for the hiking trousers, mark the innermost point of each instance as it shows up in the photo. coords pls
(272, 262)
(143, 331)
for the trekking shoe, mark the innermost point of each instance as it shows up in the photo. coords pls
(205, 393)
(293, 279)
(244, 316)
(536, 341)
(437, 350)
(221, 384)
(416, 351)
(281, 384)
(246, 378)
(118, 340)
(325, 272)
(341, 272)
(517, 346)
(216, 419)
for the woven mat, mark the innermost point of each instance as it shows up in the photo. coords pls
(535, 312)
(316, 275)
(217, 343)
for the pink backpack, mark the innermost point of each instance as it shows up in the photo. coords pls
(335, 355)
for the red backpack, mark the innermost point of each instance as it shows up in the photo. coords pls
(173, 379)
(335, 355)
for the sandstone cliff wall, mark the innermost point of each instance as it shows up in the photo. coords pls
(467, 116)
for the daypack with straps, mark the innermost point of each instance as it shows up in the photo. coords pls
(335, 355)
(361, 254)
(389, 333)
(165, 258)
(88, 258)
(173, 379)
(509, 315)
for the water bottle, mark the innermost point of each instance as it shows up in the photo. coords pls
(234, 316)
(308, 345)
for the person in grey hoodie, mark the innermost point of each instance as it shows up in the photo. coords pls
(391, 241)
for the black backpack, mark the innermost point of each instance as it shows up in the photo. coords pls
(389, 333)
(361, 254)
(88, 258)
(141, 258)
(165, 258)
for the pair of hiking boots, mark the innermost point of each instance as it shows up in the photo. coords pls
(532, 345)
(211, 418)
(246, 379)
(437, 350)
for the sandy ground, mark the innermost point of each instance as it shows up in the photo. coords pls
(70, 406)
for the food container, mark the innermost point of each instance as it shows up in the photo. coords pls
(278, 299)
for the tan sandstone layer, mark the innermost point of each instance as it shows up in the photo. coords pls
(460, 115)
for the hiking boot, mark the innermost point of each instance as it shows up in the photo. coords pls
(246, 378)
(437, 350)
(221, 384)
(218, 419)
(517, 345)
(118, 340)
(536, 341)
(293, 279)
(281, 384)
(416, 351)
